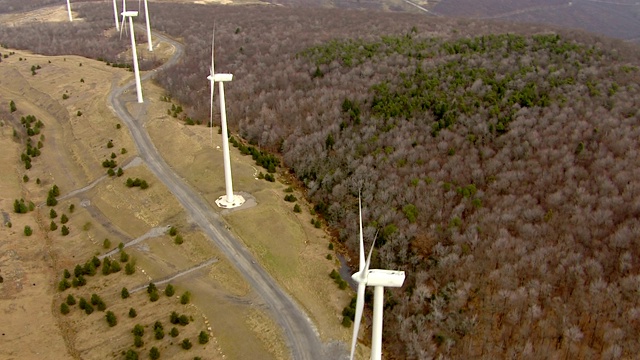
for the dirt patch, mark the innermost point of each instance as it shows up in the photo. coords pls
(48, 14)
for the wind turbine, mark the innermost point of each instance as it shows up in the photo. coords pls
(379, 279)
(229, 200)
(146, 17)
(136, 71)
(115, 15)
(69, 10)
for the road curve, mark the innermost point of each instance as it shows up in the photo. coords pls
(300, 334)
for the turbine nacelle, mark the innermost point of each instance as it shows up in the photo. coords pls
(220, 77)
(385, 278)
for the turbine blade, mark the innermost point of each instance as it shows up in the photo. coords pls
(366, 266)
(213, 49)
(211, 109)
(358, 317)
(122, 26)
(361, 236)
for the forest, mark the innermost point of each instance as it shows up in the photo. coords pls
(498, 163)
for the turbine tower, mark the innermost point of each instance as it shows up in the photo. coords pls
(379, 279)
(146, 17)
(136, 71)
(115, 15)
(229, 200)
(69, 10)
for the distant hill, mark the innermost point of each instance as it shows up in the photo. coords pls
(616, 18)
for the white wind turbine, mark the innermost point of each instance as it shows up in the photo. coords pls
(69, 10)
(136, 71)
(146, 17)
(115, 15)
(379, 279)
(229, 200)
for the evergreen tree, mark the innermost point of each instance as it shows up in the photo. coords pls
(169, 290)
(203, 338)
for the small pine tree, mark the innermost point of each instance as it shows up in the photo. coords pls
(137, 341)
(64, 230)
(63, 285)
(138, 330)
(178, 240)
(115, 266)
(186, 344)
(124, 293)
(130, 268)
(203, 338)
(66, 274)
(106, 243)
(27, 230)
(71, 300)
(154, 353)
(131, 355)
(64, 308)
(64, 219)
(154, 296)
(185, 298)
(53, 226)
(169, 290)
(132, 313)
(53, 214)
(124, 257)
(88, 308)
(174, 332)
(158, 334)
(111, 318)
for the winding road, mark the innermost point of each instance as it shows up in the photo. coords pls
(300, 334)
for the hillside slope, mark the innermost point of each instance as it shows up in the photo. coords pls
(498, 164)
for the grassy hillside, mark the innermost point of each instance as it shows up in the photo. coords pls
(497, 163)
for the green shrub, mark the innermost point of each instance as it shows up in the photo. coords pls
(169, 290)
(111, 319)
(203, 338)
(64, 308)
(186, 344)
(185, 298)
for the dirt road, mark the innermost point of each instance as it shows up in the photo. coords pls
(300, 334)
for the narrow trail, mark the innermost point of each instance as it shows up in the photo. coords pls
(166, 279)
(300, 334)
(154, 232)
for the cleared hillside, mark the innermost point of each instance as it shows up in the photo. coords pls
(498, 163)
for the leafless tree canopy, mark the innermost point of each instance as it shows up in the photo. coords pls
(498, 162)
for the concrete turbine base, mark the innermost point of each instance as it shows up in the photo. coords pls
(224, 203)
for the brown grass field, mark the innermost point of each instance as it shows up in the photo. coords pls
(284, 242)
